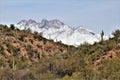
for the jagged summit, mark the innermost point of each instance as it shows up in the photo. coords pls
(58, 31)
(22, 21)
(56, 22)
(44, 21)
(31, 21)
(43, 24)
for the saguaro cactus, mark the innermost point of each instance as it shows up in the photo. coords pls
(13, 64)
(102, 34)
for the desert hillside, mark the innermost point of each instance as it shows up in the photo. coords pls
(29, 56)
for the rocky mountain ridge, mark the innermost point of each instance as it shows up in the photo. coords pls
(58, 31)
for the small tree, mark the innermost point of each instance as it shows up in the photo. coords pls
(102, 34)
(116, 34)
(29, 30)
(12, 26)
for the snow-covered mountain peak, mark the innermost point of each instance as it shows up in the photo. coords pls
(58, 31)
(30, 21)
(44, 21)
(56, 22)
(22, 22)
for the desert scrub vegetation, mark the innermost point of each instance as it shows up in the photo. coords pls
(111, 69)
(100, 61)
(1, 49)
(11, 49)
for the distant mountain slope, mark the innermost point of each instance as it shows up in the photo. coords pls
(58, 31)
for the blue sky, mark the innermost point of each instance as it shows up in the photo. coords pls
(92, 14)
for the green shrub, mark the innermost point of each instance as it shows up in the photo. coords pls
(21, 38)
(12, 26)
(1, 49)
